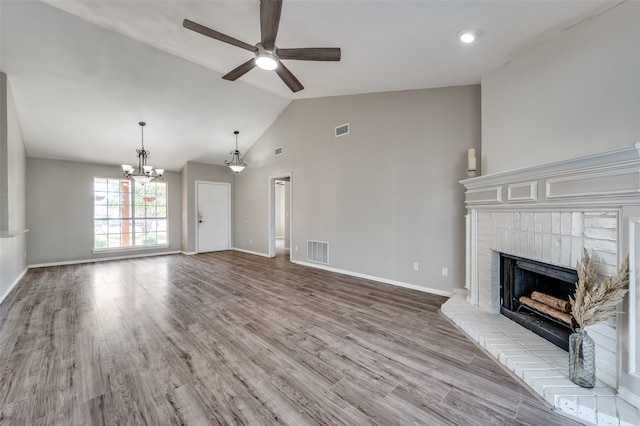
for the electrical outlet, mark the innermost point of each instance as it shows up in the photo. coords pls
(296, 248)
(250, 241)
(416, 266)
(445, 271)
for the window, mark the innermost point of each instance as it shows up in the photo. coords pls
(129, 214)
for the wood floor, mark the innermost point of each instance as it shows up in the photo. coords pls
(231, 338)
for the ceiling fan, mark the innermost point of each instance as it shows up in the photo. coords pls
(266, 54)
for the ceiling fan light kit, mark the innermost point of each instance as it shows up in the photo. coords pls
(144, 174)
(266, 60)
(266, 55)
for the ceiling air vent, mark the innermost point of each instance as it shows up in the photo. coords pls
(277, 151)
(342, 130)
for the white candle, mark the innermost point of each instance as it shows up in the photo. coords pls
(472, 164)
(472, 153)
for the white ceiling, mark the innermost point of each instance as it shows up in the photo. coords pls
(83, 73)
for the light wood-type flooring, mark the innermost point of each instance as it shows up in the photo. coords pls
(231, 338)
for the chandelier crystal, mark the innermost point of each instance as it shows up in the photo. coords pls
(144, 174)
(236, 163)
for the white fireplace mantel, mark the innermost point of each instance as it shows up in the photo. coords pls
(594, 178)
(550, 213)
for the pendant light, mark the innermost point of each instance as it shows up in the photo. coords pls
(236, 163)
(144, 174)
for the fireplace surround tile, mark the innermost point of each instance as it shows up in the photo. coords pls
(563, 247)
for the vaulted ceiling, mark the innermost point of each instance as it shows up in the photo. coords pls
(84, 73)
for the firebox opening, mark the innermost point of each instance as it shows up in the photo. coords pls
(536, 296)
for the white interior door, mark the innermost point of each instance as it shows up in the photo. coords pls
(213, 216)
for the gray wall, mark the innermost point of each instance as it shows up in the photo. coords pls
(192, 172)
(575, 95)
(60, 211)
(13, 260)
(384, 196)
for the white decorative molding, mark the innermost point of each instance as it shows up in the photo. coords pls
(581, 181)
(633, 354)
(467, 253)
(618, 157)
(473, 294)
(488, 195)
(607, 183)
(526, 191)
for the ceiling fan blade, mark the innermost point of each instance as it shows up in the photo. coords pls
(216, 35)
(289, 79)
(311, 54)
(238, 72)
(269, 22)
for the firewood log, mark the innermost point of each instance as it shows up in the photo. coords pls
(554, 302)
(545, 309)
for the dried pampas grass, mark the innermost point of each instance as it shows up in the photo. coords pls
(595, 303)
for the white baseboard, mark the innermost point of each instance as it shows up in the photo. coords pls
(15, 282)
(189, 253)
(250, 252)
(100, 259)
(377, 279)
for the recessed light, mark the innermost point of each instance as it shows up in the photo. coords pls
(469, 36)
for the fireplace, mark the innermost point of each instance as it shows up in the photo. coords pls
(549, 214)
(536, 295)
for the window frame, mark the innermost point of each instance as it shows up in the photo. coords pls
(133, 219)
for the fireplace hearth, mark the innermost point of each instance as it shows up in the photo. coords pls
(522, 280)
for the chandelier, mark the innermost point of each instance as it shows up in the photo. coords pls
(144, 174)
(236, 163)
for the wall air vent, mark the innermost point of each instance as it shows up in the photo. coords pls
(318, 251)
(342, 130)
(277, 151)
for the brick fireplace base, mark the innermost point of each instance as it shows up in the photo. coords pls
(541, 365)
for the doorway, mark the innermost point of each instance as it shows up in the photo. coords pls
(280, 215)
(213, 216)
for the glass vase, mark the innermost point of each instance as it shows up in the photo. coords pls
(582, 359)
